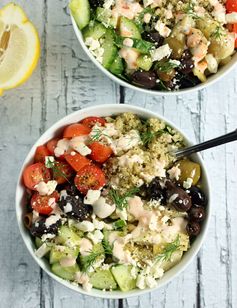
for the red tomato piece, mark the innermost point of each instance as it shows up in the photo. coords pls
(91, 121)
(62, 172)
(51, 145)
(235, 31)
(89, 177)
(34, 174)
(76, 161)
(40, 153)
(231, 5)
(76, 129)
(41, 203)
(100, 152)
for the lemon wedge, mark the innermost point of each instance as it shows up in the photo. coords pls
(19, 47)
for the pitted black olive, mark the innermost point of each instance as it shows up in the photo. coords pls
(197, 214)
(197, 196)
(187, 63)
(153, 37)
(96, 3)
(178, 197)
(73, 207)
(40, 227)
(145, 80)
(155, 191)
(193, 228)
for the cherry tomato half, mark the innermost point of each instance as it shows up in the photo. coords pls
(40, 153)
(100, 152)
(34, 174)
(76, 129)
(76, 160)
(41, 204)
(231, 6)
(51, 145)
(62, 172)
(91, 121)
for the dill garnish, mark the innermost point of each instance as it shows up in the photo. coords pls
(166, 66)
(189, 10)
(121, 200)
(50, 163)
(89, 260)
(218, 33)
(97, 134)
(169, 249)
(119, 224)
(108, 249)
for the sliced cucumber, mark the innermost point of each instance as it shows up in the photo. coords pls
(67, 273)
(57, 253)
(117, 66)
(128, 28)
(122, 274)
(95, 30)
(66, 236)
(81, 12)
(38, 242)
(144, 62)
(105, 16)
(103, 279)
(175, 258)
(110, 50)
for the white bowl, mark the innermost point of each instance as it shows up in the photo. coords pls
(106, 110)
(222, 71)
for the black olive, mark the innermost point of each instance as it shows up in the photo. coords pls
(187, 63)
(155, 191)
(197, 214)
(187, 81)
(193, 228)
(39, 228)
(153, 37)
(73, 207)
(96, 3)
(144, 79)
(178, 197)
(197, 196)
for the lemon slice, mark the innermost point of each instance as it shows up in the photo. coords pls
(19, 47)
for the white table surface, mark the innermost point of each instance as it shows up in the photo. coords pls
(64, 81)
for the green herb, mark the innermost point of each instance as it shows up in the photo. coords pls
(119, 224)
(97, 134)
(148, 136)
(166, 66)
(89, 260)
(139, 21)
(142, 46)
(108, 249)
(189, 10)
(121, 200)
(52, 164)
(169, 250)
(218, 33)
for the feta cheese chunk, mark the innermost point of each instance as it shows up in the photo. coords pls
(161, 52)
(188, 183)
(96, 237)
(141, 283)
(162, 29)
(62, 147)
(46, 188)
(79, 146)
(231, 18)
(212, 64)
(103, 209)
(127, 142)
(85, 226)
(85, 247)
(92, 196)
(174, 173)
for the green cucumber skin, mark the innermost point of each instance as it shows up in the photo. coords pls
(129, 26)
(95, 30)
(144, 62)
(56, 255)
(110, 50)
(81, 12)
(66, 234)
(103, 279)
(122, 275)
(67, 273)
(117, 66)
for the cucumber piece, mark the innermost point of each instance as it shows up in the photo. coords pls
(142, 46)
(175, 258)
(66, 236)
(67, 273)
(105, 16)
(117, 66)
(57, 253)
(81, 12)
(110, 50)
(144, 62)
(38, 242)
(128, 28)
(103, 279)
(95, 30)
(122, 274)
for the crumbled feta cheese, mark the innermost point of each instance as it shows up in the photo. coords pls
(51, 220)
(108, 3)
(48, 160)
(79, 146)
(174, 173)
(92, 196)
(231, 18)
(62, 147)
(67, 208)
(46, 188)
(103, 209)
(85, 226)
(127, 142)
(147, 18)
(153, 223)
(212, 64)
(47, 236)
(128, 42)
(188, 183)
(92, 43)
(35, 216)
(99, 225)
(141, 284)
(157, 272)
(162, 29)
(122, 214)
(151, 282)
(63, 194)
(161, 52)
(85, 247)
(96, 237)
(133, 272)
(83, 279)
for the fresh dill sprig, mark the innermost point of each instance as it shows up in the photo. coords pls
(121, 200)
(169, 249)
(148, 136)
(119, 224)
(189, 10)
(108, 249)
(89, 260)
(97, 134)
(218, 33)
(166, 66)
(50, 163)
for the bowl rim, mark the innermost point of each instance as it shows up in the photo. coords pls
(80, 114)
(210, 80)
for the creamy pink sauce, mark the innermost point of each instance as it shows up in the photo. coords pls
(85, 247)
